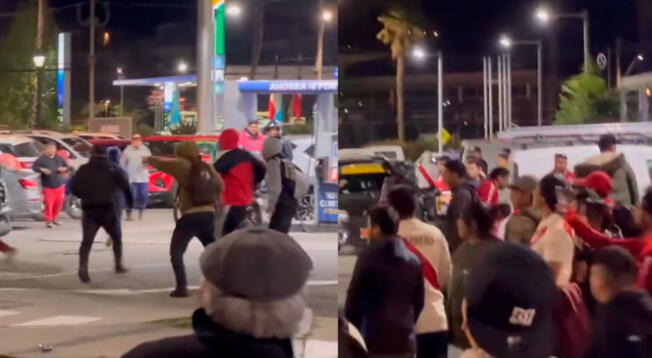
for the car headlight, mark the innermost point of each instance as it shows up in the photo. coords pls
(342, 217)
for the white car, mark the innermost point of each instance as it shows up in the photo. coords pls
(77, 148)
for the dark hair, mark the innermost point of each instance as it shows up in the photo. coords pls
(457, 167)
(51, 143)
(401, 198)
(498, 172)
(477, 214)
(548, 186)
(472, 160)
(385, 218)
(646, 201)
(606, 141)
(620, 264)
(476, 149)
(507, 151)
(253, 121)
(561, 156)
(504, 156)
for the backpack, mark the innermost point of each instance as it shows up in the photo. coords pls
(200, 186)
(296, 177)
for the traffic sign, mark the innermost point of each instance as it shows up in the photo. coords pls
(602, 61)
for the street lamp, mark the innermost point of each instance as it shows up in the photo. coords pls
(327, 15)
(637, 59)
(506, 42)
(233, 10)
(544, 16)
(420, 54)
(182, 67)
(39, 60)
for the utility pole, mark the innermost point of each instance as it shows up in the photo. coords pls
(319, 63)
(40, 29)
(91, 65)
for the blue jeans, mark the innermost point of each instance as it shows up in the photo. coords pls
(140, 193)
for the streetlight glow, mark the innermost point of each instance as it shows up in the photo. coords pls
(640, 57)
(39, 60)
(119, 70)
(182, 67)
(233, 10)
(542, 15)
(419, 53)
(327, 15)
(505, 42)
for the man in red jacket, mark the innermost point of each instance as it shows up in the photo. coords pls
(241, 173)
(490, 189)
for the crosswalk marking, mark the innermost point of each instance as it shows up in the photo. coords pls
(58, 321)
(320, 349)
(4, 313)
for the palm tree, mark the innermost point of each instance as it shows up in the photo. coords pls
(399, 33)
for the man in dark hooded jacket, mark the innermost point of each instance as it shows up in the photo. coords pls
(464, 194)
(95, 184)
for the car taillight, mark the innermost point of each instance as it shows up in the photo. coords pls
(28, 183)
(26, 165)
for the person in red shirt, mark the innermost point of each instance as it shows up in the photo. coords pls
(640, 247)
(561, 168)
(490, 189)
(241, 172)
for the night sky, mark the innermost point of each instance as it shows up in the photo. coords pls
(469, 28)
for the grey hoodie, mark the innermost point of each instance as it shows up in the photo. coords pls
(272, 154)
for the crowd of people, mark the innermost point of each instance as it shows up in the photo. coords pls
(520, 266)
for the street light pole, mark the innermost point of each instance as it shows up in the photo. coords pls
(440, 102)
(544, 16)
(587, 51)
(91, 65)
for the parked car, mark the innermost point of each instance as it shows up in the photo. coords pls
(78, 149)
(22, 184)
(162, 187)
(106, 143)
(95, 135)
(5, 208)
(25, 149)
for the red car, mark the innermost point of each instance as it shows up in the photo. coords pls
(162, 187)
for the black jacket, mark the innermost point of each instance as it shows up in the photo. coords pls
(212, 341)
(463, 197)
(385, 297)
(623, 327)
(96, 182)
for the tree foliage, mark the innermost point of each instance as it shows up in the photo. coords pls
(399, 33)
(17, 82)
(587, 98)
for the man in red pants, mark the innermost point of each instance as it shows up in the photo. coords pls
(51, 167)
(6, 249)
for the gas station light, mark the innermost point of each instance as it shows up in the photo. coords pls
(182, 67)
(327, 15)
(233, 10)
(39, 60)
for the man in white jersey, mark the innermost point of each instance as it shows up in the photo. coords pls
(429, 244)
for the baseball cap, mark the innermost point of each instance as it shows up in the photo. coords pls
(525, 183)
(598, 181)
(257, 264)
(510, 294)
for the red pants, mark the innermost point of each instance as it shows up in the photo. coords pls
(53, 201)
(4, 247)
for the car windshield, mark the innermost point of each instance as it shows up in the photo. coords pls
(77, 144)
(361, 183)
(163, 148)
(28, 149)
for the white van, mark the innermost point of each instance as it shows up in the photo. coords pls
(540, 161)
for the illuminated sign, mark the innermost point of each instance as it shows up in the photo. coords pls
(293, 86)
(219, 62)
(63, 79)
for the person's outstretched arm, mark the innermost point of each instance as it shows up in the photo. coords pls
(599, 240)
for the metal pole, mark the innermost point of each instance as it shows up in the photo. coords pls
(440, 102)
(122, 101)
(500, 93)
(540, 82)
(205, 55)
(618, 68)
(491, 97)
(91, 65)
(484, 97)
(510, 110)
(505, 94)
(587, 54)
(319, 63)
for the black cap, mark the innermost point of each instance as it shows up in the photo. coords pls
(510, 296)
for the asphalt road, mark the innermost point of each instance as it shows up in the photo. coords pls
(43, 302)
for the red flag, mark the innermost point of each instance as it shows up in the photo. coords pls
(271, 108)
(297, 106)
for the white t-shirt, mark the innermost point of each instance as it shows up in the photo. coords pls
(554, 241)
(432, 244)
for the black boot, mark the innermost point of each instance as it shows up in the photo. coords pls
(180, 276)
(117, 253)
(83, 268)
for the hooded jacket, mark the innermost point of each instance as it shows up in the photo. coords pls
(96, 183)
(239, 169)
(114, 159)
(179, 169)
(211, 340)
(272, 155)
(625, 188)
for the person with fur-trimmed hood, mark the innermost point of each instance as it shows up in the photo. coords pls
(252, 300)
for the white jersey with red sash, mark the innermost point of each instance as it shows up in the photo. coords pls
(429, 244)
(554, 240)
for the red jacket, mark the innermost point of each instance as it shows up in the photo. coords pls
(240, 171)
(488, 192)
(640, 247)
